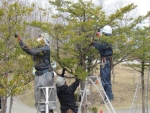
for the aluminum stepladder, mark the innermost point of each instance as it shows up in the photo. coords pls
(101, 92)
(47, 91)
(136, 102)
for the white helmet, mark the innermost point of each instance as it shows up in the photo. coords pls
(60, 81)
(107, 30)
(46, 36)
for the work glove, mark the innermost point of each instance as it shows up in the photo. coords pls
(17, 36)
(76, 77)
(63, 72)
(98, 34)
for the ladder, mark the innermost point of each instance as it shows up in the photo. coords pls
(101, 92)
(136, 102)
(47, 91)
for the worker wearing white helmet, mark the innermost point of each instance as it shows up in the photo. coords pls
(43, 70)
(106, 30)
(106, 52)
(45, 37)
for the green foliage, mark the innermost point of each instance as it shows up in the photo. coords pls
(142, 38)
(121, 12)
(15, 68)
(73, 38)
(76, 26)
(73, 33)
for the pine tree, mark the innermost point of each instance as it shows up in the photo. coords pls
(79, 29)
(15, 65)
(74, 27)
(141, 39)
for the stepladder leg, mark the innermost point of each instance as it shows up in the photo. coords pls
(47, 99)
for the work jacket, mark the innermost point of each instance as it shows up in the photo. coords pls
(66, 96)
(41, 56)
(105, 49)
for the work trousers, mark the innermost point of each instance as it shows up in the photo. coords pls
(105, 74)
(45, 80)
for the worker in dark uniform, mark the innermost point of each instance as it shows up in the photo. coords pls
(44, 76)
(106, 52)
(65, 94)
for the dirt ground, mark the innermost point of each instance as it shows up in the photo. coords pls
(124, 81)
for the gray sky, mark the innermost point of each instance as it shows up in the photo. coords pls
(143, 6)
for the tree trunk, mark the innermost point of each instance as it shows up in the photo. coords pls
(113, 74)
(6, 104)
(143, 88)
(84, 106)
(147, 90)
